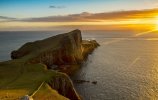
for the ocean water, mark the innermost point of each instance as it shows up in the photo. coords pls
(10, 41)
(124, 66)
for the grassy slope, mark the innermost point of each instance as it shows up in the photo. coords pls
(51, 94)
(18, 79)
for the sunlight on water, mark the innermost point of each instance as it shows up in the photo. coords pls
(152, 39)
(146, 32)
(124, 68)
(112, 41)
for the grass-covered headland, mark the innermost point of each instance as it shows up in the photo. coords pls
(30, 70)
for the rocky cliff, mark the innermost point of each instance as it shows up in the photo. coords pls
(63, 84)
(65, 50)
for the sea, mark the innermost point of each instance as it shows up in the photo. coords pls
(123, 67)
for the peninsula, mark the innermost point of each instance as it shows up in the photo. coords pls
(39, 70)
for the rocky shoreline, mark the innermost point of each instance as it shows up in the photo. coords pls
(64, 53)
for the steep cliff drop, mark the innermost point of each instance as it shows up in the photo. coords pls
(31, 63)
(63, 49)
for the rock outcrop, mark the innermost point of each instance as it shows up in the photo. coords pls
(63, 49)
(63, 84)
(66, 49)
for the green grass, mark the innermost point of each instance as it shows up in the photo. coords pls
(51, 94)
(18, 79)
(21, 77)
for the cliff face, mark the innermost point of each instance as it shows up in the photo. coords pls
(66, 49)
(64, 86)
(63, 49)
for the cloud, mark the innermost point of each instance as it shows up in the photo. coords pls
(86, 21)
(57, 7)
(97, 17)
(147, 13)
(67, 18)
(6, 19)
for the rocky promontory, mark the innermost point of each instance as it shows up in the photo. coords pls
(33, 64)
(63, 49)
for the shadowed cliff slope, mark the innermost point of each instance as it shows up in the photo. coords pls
(29, 68)
(63, 49)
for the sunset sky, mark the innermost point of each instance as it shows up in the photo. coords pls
(19, 15)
